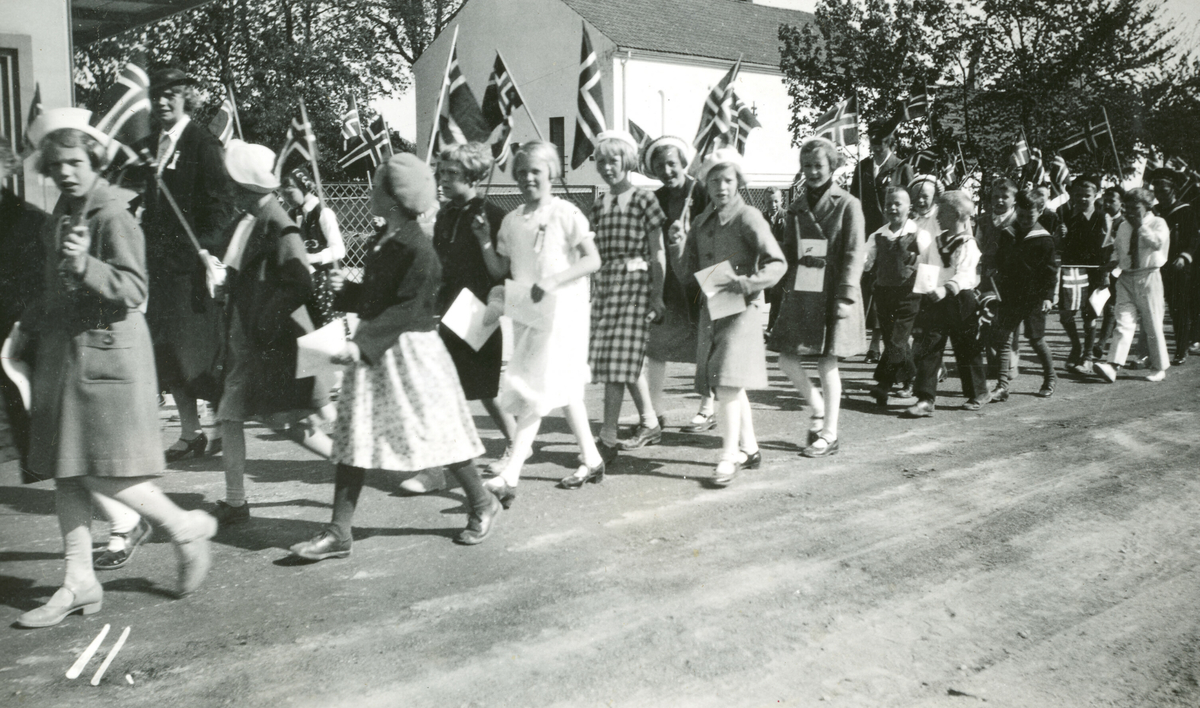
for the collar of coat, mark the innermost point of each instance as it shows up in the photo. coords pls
(1038, 231)
(726, 213)
(831, 199)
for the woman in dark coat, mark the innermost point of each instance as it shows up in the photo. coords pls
(269, 279)
(94, 401)
(828, 321)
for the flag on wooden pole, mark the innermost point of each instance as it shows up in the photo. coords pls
(589, 118)
(717, 119)
(223, 123)
(300, 141)
(367, 150)
(463, 120)
(123, 112)
(747, 120)
(840, 123)
(501, 99)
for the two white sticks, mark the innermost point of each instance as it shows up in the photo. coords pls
(80, 663)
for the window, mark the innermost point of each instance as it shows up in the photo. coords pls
(10, 109)
(558, 136)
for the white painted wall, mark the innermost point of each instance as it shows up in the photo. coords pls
(41, 31)
(666, 97)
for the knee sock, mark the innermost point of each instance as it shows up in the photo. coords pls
(234, 457)
(1067, 317)
(478, 497)
(74, 505)
(1044, 356)
(348, 483)
(146, 498)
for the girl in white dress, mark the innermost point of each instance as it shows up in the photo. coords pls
(551, 252)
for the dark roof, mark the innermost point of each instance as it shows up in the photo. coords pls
(716, 29)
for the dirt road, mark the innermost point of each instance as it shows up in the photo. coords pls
(1037, 553)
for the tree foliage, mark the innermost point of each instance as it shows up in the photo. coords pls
(273, 52)
(1042, 68)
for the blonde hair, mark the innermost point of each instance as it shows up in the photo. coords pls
(475, 158)
(541, 151)
(612, 147)
(825, 147)
(71, 138)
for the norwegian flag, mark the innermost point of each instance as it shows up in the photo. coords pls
(917, 105)
(1073, 290)
(501, 99)
(351, 123)
(643, 140)
(717, 118)
(747, 120)
(223, 123)
(589, 120)
(1019, 157)
(368, 148)
(123, 112)
(1088, 139)
(463, 121)
(35, 110)
(840, 123)
(300, 141)
(924, 162)
(1058, 174)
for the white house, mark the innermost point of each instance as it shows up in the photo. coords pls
(37, 38)
(659, 59)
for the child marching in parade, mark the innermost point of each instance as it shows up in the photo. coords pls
(673, 336)
(824, 318)
(1082, 272)
(401, 407)
(1026, 275)
(551, 252)
(627, 292)
(731, 357)
(892, 254)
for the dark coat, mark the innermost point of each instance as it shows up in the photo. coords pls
(271, 282)
(398, 293)
(1185, 231)
(831, 322)
(95, 405)
(870, 187)
(185, 322)
(1083, 242)
(1027, 267)
(456, 237)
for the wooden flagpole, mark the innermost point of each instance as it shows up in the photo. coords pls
(1113, 142)
(312, 152)
(437, 114)
(237, 120)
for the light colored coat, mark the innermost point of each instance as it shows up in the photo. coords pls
(836, 218)
(95, 405)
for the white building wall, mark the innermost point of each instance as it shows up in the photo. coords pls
(40, 31)
(666, 96)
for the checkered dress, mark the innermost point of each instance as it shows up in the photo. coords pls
(621, 296)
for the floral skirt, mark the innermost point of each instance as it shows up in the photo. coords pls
(406, 412)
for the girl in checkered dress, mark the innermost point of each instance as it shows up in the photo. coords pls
(627, 293)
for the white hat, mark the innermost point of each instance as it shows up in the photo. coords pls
(621, 135)
(64, 118)
(251, 166)
(684, 148)
(720, 157)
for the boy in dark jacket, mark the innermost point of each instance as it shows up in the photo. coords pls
(1083, 261)
(1027, 273)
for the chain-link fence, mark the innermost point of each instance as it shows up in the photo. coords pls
(351, 202)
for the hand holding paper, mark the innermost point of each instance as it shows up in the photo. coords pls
(470, 319)
(721, 301)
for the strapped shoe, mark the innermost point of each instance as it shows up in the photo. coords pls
(111, 560)
(753, 460)
(1000, 394)
(230, 515)
(1047, 389)
(582, 476)
(642, 436)
(64, 602)
(727, 471)
(700, 424)
(823, 446)
(480, 525)
(196, 447)
(502, 491)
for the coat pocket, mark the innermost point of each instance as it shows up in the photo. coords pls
(106, 356)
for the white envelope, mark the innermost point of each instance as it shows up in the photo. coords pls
(927, 278)
(520, 307)
(465, 318)
(811, 280)
(17, 371)
(315, 348)
(721, 303)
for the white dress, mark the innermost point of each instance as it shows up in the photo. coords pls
(548, 368)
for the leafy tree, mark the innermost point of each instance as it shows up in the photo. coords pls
(273, 52)
(1173, 124)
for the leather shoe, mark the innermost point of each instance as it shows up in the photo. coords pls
(752, 461)
(880, 395)
(1047, 389)
(62, 603)
(324, 545)
(1179, 360)
(582, 476)
(701, 424)
(111, 560)
(216, 446)
(608, 453)
(498, 487)
(194, 447)
(727, 471)
(480, 525)
(229, 515)
(193, 552)
(922, 409)
(975, 404)
(642, 436)
(1000, 394)
(821, 447)
(872, 357)
(906, 392)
